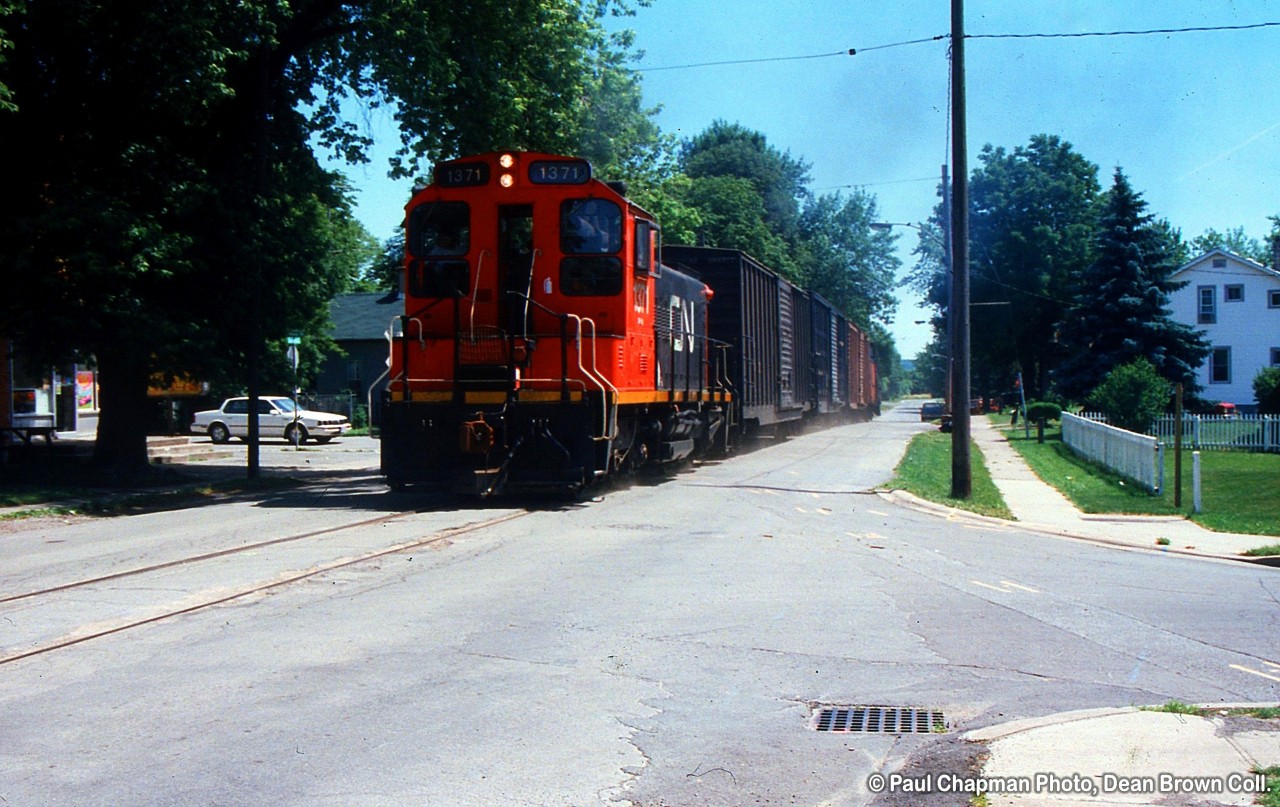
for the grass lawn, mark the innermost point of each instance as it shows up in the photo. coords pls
(926, 472)
(1237, 488)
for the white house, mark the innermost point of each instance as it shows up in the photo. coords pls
(1236, 303)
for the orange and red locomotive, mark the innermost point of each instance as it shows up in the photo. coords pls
(543, 345)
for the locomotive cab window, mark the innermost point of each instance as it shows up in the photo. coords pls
(644, 247)
(439, 229)
(590, 227)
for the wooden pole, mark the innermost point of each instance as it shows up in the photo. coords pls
(1177, 446)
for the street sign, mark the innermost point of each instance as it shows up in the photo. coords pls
(293, 340)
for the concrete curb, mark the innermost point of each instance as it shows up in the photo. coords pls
(1002, 730)
(910, 500)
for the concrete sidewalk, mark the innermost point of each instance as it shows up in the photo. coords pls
(1128, 756)
(1119, 756)
(1039, 506)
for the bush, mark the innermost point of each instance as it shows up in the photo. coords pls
(360, 417)
(1043, 409)
(1132, 395)
(1266, 389)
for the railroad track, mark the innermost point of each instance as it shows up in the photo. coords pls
(201, 600)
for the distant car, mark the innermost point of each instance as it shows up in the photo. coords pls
(1225, 409)
(932, 410)
(276, 418)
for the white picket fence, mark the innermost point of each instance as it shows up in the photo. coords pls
(1133, 456)
(1215, 432)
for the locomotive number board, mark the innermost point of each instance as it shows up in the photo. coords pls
(462, 175)
(559, 172)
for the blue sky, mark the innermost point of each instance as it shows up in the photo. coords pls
(1192, 118)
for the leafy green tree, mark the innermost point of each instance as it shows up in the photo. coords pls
(1121, 309)
(168, 214)
(1032, 217)
(893, 379)
(731, 150)
(384, 271)
(667, 196)
(733, 217)
(8, 8)
(748, 195)
(1132, 395)
(1234, 241)
(846, 260)
(931, 368)
(1266, 390)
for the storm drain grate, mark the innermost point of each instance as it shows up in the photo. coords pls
(880, 720)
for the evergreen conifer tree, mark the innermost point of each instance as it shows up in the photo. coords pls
(1121, 307)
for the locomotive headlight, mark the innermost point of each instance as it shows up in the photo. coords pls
(507, 160)
(506, 180)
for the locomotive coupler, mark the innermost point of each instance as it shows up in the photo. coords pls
(475, 436)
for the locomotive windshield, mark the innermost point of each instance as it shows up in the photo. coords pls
(439, 229)
(590, 227)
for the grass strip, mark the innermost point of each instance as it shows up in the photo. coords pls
(1234, 485)
(925, 471)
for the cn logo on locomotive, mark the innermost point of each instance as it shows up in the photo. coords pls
(681, 323)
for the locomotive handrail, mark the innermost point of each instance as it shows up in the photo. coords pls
(564, 337)
(530, 300)
(607, 426)
(475, 291)
(422, 336)
(611, 424)
(528, 292)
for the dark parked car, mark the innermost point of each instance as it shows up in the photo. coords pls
(932, 410)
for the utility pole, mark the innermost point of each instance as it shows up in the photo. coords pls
(958, 315)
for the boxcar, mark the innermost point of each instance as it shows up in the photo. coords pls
(753, 312)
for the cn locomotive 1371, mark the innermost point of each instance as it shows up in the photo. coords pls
(545, 343)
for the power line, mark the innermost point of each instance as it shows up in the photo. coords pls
(940, 37)
(876, 184)
(1195, 29)
(849, 52)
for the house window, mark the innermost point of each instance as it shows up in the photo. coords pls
(1208, 311)
(1275, 357)
(1220, 366)
(1233, 293)
(1273, 298)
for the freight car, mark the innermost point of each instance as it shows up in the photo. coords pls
(795, 359)
(546, 344)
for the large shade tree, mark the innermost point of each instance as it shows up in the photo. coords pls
(747, 193)
(1121, 310)
(845, 259)
(1032, 217)
(168, 213)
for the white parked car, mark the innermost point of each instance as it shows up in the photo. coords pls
(276, 418)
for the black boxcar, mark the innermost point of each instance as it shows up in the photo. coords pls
(745, 312)
(826, 356)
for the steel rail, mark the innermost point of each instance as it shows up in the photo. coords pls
(443, 535)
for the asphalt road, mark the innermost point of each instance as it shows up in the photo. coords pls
(666, 644)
